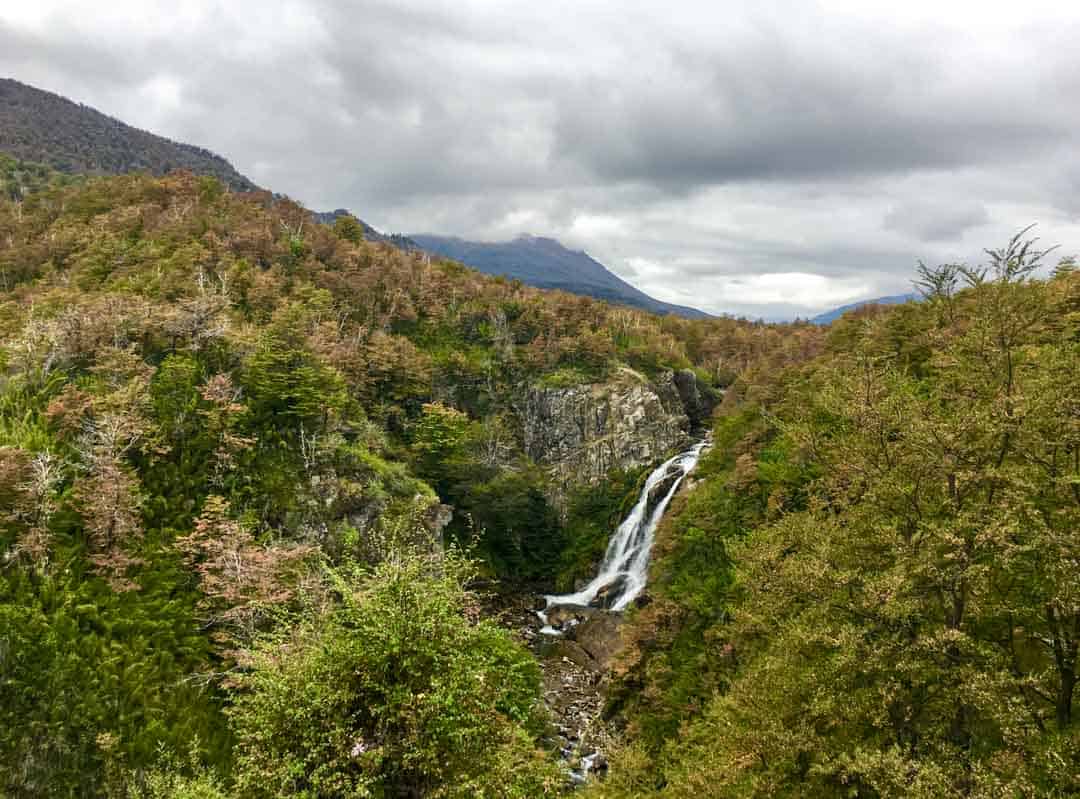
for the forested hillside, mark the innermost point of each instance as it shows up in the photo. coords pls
(46, 136)
(836, 313)
(228, 439)
(43, 127)
(254, 469)
(874, 589)
(18, 179)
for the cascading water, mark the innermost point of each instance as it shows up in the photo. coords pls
(625, 567)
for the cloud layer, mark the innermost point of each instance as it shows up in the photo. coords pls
(769, 159)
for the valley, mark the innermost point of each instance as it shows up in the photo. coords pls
(291, 508)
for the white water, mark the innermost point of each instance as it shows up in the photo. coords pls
(627, 556)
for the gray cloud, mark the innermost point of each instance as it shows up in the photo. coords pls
(771, 159)
(933, 221)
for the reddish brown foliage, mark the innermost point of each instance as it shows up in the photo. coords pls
(240, 579)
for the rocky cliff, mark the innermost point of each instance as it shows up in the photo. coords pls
(583, 432)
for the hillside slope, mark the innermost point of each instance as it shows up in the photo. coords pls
(545, 263)
(45, 128)
(214, 413)
(871, 589)
(370, 233)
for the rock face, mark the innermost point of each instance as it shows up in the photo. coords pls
(698, 400)
(566, 617)
(594, 630)
(609, 594)
(583, 432)
(435, 520)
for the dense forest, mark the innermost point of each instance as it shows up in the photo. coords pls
(228, 436)
(874, 590)
(257, 474)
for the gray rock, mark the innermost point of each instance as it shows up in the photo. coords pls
(574, 653)
(435, 520)
(608, 594)
(564, 617)
(583, 432)
(660, 490)
(698, 400)
(600, 637)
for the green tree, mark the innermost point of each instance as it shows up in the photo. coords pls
(438, 443)
(349, 228)
(396, 691)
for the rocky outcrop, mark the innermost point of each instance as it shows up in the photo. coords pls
(698, 400)
(593, 630)
(583, 432)
(435, 520)
(660, 490)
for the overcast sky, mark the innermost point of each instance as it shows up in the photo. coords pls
(763, 158)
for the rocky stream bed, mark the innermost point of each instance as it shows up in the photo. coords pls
(574, 669)
(576, 636)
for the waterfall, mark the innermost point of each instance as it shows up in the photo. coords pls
(625, 566)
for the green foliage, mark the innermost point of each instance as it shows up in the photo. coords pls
(19, 179)
(438, 441)
(79, 661)
(895, 597)
(393, 692)
(348, 227)
(517, 530)
(506, 514)
(171, 777)
(566, 377)
(680, 638)
(288, 388)
(203, 398)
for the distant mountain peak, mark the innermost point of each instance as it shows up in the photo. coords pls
(547, 242)
(546, 263)
(831, 316)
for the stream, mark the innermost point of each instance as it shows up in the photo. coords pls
(574, 668)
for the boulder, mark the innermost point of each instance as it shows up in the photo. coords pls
(436, 518)
(564, 617)
(642, 600)
(697, 399)
(600, 637)
(609, 594)
(660, 490)
(573, 652)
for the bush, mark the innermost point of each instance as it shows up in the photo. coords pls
(394, 692)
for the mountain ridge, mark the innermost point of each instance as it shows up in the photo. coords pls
(827, 317)
(398, 240)
(43, 127)
(546, 263)
(40, 127)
